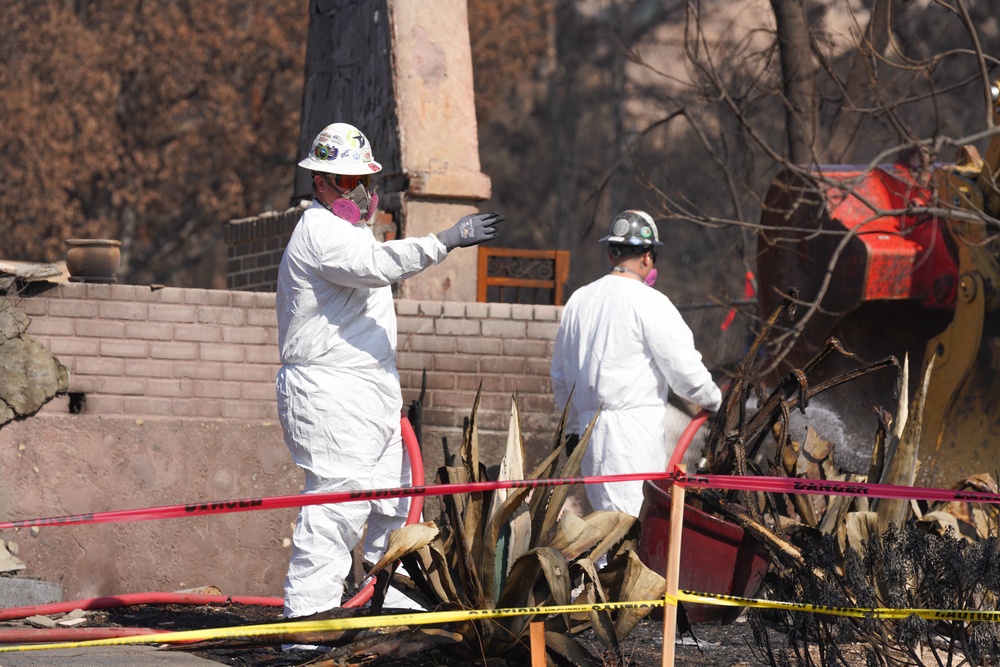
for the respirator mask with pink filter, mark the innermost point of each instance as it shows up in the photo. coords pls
(651, 277)
(356, 201)
(357, 205)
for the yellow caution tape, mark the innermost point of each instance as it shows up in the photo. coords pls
(336, 624)
(854, 612)
(437, 617)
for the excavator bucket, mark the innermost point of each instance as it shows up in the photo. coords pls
(875, 267)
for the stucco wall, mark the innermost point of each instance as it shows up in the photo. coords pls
(179, 407)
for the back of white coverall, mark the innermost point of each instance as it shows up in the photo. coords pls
(624, 346)
(339, 398)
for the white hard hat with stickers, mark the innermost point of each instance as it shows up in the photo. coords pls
(341, 148)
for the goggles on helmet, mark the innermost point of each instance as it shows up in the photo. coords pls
(347, 180)
(620, 250)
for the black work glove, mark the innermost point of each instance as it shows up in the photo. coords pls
(471, 230)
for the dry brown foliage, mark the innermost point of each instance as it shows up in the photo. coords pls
(150, 122)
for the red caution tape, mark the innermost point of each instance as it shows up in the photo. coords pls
(749, 292)
(749, 483)
(299, 500)
(836, 488)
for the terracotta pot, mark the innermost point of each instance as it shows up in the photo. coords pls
(93, 259)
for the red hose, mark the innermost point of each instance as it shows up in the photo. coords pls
(129, 599)
(416, 504)
(416, 469)
(686, 437)
(30, 635)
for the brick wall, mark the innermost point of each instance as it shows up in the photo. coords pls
(254, 248)
(211, 353)
(173, 352)
(505, 348)
(131, 350)
(255, 245)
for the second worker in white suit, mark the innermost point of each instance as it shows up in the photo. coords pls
(622, 346)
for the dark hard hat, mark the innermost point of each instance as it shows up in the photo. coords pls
(633, 228)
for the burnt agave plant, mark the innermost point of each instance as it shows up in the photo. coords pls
(518, 548)
(858, 552)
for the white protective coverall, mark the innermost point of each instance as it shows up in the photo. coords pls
(339, 399)
(624, 346)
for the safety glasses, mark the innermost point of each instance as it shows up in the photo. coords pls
(348, 182)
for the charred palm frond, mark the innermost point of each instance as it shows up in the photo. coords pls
(854, 552)
(734, 439)
(517, 548)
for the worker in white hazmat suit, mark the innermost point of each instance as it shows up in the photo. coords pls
(622, 347)
(339, 398)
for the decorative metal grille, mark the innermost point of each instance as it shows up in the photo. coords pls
(521, 267)
(508, 275)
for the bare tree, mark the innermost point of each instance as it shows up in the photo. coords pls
(814, 86)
